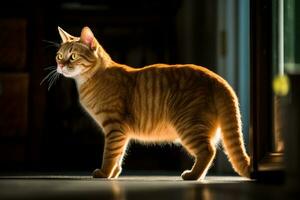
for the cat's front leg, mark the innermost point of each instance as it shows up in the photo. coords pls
(114, 149)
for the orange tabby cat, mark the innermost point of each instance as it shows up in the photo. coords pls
(157, 103)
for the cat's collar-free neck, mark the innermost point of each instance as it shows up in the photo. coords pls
(88, 75)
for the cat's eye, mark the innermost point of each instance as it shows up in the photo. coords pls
(74, 56)
(59, 56)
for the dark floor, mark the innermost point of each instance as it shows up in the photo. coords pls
(137, 187)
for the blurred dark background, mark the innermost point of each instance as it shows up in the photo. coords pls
(43, 130)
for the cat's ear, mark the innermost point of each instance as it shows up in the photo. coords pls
(88, 38)
(65, 37)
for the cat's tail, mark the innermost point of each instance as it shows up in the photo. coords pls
(231, 127)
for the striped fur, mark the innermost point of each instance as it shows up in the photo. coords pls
(157, 103)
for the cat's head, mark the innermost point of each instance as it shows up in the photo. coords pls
(78, 55)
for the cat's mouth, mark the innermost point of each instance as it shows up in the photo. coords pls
(64, 71)
(59, 70)
(68, 72)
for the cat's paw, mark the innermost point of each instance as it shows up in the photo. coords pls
(97, 173)
(188, 175)
(116, 172)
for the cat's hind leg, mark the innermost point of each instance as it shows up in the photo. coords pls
(198, 143)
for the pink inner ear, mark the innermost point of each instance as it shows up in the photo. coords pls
(87, 37)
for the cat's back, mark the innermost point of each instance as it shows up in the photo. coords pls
(185, 69)
(177, 76)
(173, 73)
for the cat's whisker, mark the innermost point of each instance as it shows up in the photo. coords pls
(53, 44)
(50, 84)
(57, 77)
(53, 80)
(50, 68)
(51, 77)
(48, 75)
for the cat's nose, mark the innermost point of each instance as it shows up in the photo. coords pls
(60, 65)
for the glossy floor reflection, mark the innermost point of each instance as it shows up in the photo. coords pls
(135, 187)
